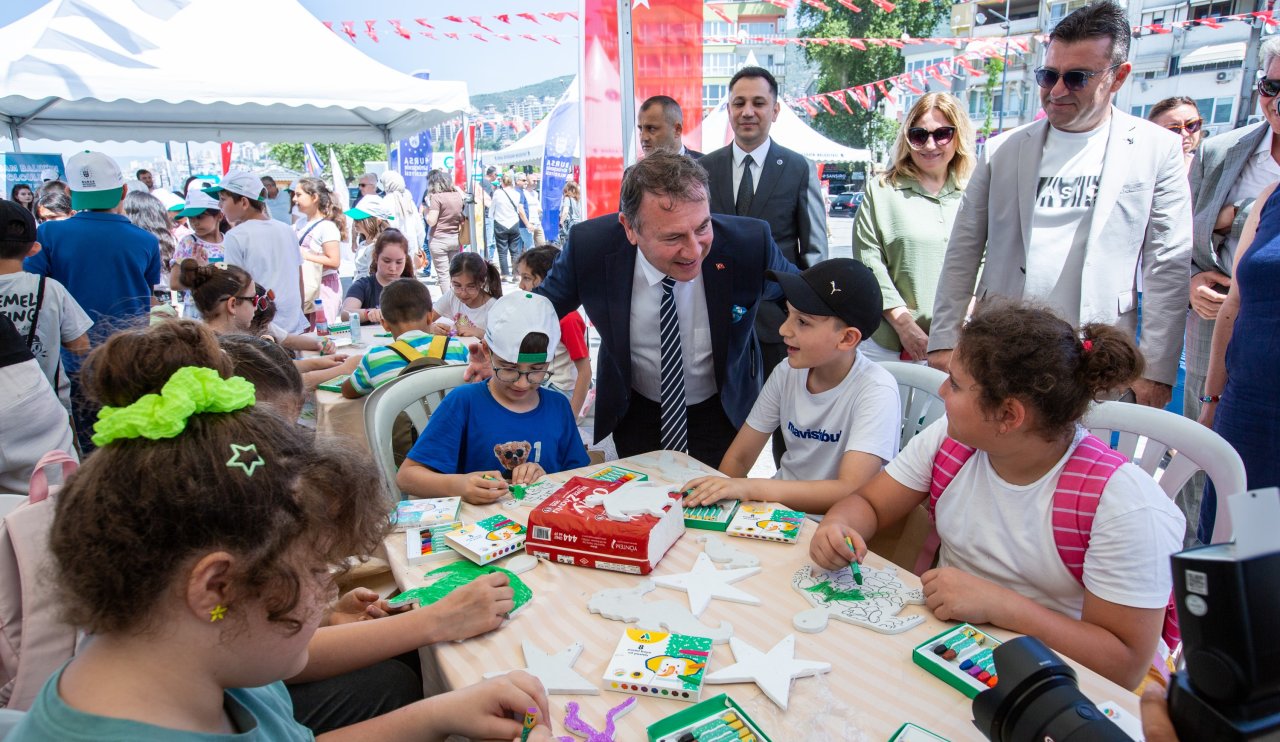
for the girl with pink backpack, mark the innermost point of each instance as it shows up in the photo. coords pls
(1044, 530)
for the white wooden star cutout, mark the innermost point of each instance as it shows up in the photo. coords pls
(705, 582)
(772, 671)
(555, 670)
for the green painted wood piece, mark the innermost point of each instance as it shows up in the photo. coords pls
(453, 576)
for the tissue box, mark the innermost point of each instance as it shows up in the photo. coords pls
(565, 529)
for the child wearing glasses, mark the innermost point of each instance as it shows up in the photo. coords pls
(507, 429)
(475, 284)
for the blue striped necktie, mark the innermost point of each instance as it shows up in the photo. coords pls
(675, 425)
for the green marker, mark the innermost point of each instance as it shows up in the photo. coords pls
(854, 568)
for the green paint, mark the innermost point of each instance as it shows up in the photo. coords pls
(456, 575)
(699, 650)
(829, 593)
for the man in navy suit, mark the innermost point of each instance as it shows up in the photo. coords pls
(615, 265)
(660, 123)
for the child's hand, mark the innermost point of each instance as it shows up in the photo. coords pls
(955, 595)
(476, 608)
(495, 708)
(350, 363)
(478, 366)
(373, 316)
(361, 604)
(327, 347)
(829, 549)
(469, 330)
(483, 487)
(527, 473)
(540, 733)
(706, 490)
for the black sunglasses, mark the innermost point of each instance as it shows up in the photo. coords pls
(1075, 80)
(1191, 126)
(1269, 87)
(918, 136)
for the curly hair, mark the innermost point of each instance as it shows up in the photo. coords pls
(1019, 350)
(326, 202)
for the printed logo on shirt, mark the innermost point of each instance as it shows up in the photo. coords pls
(1067, 193)
(814, 434)
(21, 310)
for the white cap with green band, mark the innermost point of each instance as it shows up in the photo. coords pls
(513, 317)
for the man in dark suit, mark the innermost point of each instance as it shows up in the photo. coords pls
(777, 185)
(620, 268)
(661, 125)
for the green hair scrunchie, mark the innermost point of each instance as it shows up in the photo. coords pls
(189, 391)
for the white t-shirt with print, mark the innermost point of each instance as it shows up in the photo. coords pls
(861, 413)
(60, 320)
(452, 310)
(1070, 170)
(1003, 532)
(268, 250)
(323, 231)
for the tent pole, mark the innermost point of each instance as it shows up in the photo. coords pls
(13, 135)
(190, 170)
(627, 77)
(469, 168)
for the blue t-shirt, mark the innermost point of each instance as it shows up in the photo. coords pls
(470, 423)
(107, 264)
(260, 714)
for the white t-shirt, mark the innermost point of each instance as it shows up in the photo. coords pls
(1004, 532)
(61, 320)
(535, 207)
(1070, 170)
(861, 413)
(323, 231)
(452, 310)
(268, 250)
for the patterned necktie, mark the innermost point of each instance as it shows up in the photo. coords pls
(746, 188)
(675, 425)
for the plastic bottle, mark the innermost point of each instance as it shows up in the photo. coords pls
(353, 319)
(322, 325)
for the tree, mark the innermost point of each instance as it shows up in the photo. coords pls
(994, 66)
(841, 66)
(350, 156)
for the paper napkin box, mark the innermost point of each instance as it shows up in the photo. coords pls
(565, 529)
(659, 665)
(423, 513)
(487, 540)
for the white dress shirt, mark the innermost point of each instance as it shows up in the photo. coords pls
(1260, 171)
(695, 334)
(758, 156)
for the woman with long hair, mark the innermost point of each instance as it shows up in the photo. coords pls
(22, 195)
(320, 239)
(902, 227)
(445, 212)
(148, 213)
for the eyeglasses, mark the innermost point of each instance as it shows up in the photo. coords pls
(261, 302)
(1269, 87)
(368, 185)
(461, 289)
(918, 136)
(511, 375)
(1191, 127)
(1075, 80)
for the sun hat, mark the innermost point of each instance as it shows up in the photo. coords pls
(95, 181)
(371, 206)
(513, 317)
(199, 202)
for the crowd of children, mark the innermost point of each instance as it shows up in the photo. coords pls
(209, 526)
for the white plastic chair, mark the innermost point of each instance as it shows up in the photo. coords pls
(417, 395)
(918, 393)
(1146, 434)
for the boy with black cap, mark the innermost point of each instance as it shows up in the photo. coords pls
(837, 408)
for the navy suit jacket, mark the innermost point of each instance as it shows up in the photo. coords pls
(596, 270)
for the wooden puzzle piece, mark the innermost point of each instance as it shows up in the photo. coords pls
(450, 577)
(772, 671)
(875, 605)
(631, 500)
(722, 552)
(555, 670)
(629, 606)
(705, 582)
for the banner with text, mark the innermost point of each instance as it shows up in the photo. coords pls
(557, 162)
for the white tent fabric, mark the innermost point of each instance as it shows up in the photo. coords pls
(788, 130)
(528, 149)
(203, 70)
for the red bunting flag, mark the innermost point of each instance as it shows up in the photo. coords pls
(328, 25)
(906, 80)
(861, 96)
(453, 36)
(937, 75)
(839, 95)
(348, 28)
(886, 92)
(504, 17)
(1267, 17)
(894, 43)
(480, 36)
(819, 5)
(423, 22)
(503, 36)
(850, 6)
(826, 104)
(528, 16)
(875, 42)
(429, 35)
(530, 37)
(1156, 28)
(884, 5)
(857, 44)
(552, 39)
(476, 20)
(395, 25)
(720, 13)
(368, 28)
(559, 17)
(454, 18)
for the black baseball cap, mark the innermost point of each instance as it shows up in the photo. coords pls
(840, 287)
(17, 229)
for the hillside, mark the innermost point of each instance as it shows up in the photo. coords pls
(553, 87)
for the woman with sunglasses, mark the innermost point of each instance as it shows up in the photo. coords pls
(902, 227)
(1180, 116)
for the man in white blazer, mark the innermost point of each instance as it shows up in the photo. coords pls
(1067, 210)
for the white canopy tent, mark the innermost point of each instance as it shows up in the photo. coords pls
(788, 130)
(528, 149)
(203, 70)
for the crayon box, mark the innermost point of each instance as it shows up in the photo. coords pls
(659, 665)
(484, 541)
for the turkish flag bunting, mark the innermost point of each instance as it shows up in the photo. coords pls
(857, 44)
(528, 36)
(557, 17)
(861, 96)
(328, 25)
(906, 80)
(453, 18)
(476, 20)
(826, 104)
(395, 25)
(528, 16)
(720, 13)
(480, 36)
(451, 35)
(884, 5)
(504, 17)
(348, 28)
(839, 95)
(1210, 22)
(809, 109)
(423, 22)
(850, 6)
(937, 75)
(503, 36)
(552, 39)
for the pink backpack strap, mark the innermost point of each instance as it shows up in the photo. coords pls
(951, 456)
(39, 486)
(1076, 498)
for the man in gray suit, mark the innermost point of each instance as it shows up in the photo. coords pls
(1066, 209)
(755, 176)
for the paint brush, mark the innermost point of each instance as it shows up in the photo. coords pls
(854, 568)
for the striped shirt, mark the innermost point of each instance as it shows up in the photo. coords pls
(382, 364)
